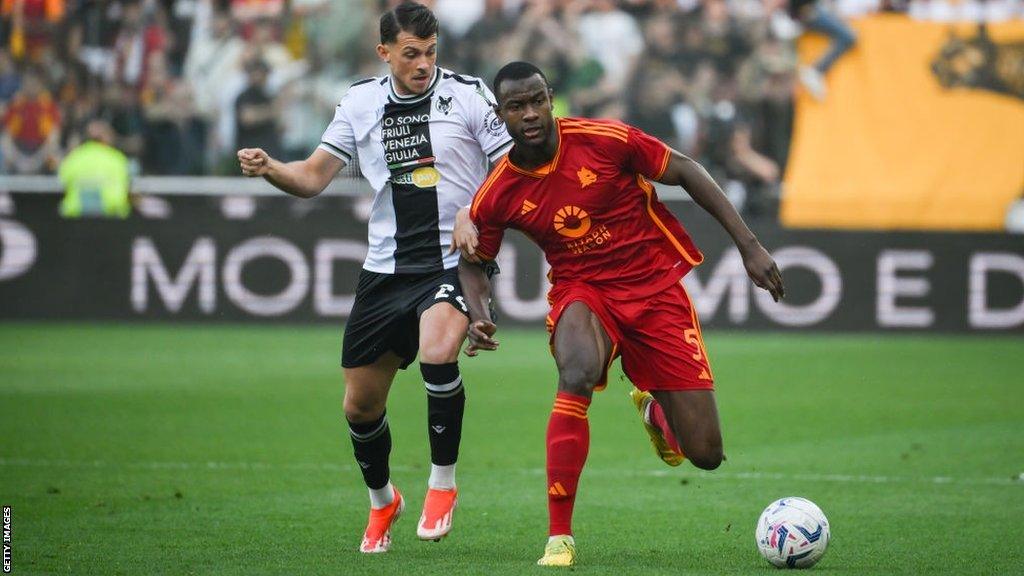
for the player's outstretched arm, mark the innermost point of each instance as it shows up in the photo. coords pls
(476, 290)
(302, 178)
(465, 236)
(684, 171)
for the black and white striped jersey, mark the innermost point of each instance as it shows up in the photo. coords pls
(424, 155)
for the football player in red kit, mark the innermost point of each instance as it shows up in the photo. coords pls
(581, 190)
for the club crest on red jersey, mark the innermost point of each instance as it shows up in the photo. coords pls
(586, 177)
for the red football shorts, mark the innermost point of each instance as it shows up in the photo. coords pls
(658, 336)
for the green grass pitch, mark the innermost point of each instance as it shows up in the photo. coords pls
(222, 450)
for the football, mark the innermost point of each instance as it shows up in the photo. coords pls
(792, 533)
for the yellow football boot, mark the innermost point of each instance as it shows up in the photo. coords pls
(560, 551)
(669, 455)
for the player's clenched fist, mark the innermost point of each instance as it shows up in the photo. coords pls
(253, 161)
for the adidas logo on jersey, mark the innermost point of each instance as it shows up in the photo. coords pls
(527, 206)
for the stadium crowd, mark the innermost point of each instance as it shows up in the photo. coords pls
(184, 83)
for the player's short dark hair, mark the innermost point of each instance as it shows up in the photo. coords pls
(515, 71)
(412, 17)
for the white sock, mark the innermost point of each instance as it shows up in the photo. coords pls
(381, 497)
(442, 477)
(569, 536)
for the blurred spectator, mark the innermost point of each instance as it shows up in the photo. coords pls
(334, 31)
(256, 113)
(766, 102)
(250, 13)
(819, 16)
(95, 176)
(612, 38)
(92, 31)
(459, 16)
(657, 86)
(479, 47)
(173, 139)
(32, 122)
(721, 40)
(10, 80)
(309, 106)
(32, 24)
(178, 17)
(79, 102)
(121, 108)
(135, 44)
(212, 59)
(246, 11)
(262, 46)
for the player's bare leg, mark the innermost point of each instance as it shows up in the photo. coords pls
(442, 331)
(693, 416)
(582, 350)
(366, 394)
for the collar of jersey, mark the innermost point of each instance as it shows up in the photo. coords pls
(546, 169)
(414, 97)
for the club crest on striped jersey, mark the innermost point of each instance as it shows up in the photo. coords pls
(444, 105)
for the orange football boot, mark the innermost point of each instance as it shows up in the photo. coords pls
(377, 537)
(438, 510)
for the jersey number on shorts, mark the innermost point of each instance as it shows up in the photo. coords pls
(693, 337)
(447, 289)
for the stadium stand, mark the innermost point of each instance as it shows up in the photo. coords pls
(714, 78)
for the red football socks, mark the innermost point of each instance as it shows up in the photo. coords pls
(568, 442)
(657, 417)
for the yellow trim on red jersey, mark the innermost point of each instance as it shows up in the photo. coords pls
(664, 163)
(584, 123)
(550, 166)
(596, 132)
(649, 191)
(486, 186)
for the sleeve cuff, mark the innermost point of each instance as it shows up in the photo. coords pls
(335, 151)
(500, 150)
(664, 164)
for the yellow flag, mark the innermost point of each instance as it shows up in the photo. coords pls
(922, 128)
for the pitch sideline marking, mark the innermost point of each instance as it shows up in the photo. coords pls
(329, 467)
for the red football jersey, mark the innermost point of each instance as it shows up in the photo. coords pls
(592, 211)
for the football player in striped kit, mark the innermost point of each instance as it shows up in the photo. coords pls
(425, 138)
